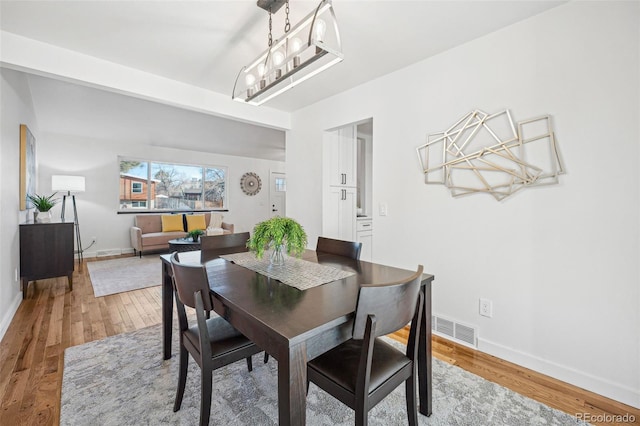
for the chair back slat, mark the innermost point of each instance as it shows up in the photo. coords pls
(393, 305)
(189, 279)
(212, 246)
(349, 249)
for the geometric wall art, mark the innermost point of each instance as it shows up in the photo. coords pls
(488, 153)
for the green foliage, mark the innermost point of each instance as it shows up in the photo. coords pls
(42, 203)
(277, 231)
(195, 233)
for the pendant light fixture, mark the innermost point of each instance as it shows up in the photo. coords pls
(305, 50)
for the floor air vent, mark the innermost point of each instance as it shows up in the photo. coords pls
(453, 330)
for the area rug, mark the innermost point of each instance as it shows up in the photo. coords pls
(124, 274)
(122, 380)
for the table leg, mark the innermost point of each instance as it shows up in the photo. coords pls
(167, 309)
(424, 355)
(292, 386)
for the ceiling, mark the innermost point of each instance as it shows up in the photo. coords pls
(206, 43)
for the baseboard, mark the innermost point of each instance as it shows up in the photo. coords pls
(8, 316)
(615, 391)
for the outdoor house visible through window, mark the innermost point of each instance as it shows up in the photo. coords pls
(148, 185)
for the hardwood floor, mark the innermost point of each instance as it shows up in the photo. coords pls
(52, 318)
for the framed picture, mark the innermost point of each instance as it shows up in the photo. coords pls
(27, 166)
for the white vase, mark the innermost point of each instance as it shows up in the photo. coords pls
(42, 217)
(277, 255)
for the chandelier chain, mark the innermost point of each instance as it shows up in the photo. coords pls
(287, 24)
(270, 28)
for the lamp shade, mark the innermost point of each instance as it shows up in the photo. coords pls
(67, 183)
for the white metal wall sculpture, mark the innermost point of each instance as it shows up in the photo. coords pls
(487, 153)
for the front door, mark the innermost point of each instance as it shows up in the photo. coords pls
(278, 194)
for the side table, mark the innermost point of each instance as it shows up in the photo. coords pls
(46, 251)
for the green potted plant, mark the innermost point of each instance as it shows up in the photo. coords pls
(43, 206)
(195, 234)
(278, 234)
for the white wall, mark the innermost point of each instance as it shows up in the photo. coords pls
(97, 160)
(560, 263)
(17, 108)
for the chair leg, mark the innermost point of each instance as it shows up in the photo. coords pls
(182, 378)
(266, 357)
(205, 396)
(412, 409)
(249, 363)
(361, 416)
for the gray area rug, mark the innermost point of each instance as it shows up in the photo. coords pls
(122, 380)
(125, 274)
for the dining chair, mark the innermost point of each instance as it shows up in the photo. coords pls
(212, 342)
(362, 371)
(212, 246)
(340, 247)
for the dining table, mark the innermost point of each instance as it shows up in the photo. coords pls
(295, 326)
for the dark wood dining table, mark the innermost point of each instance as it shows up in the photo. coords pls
(295, 326)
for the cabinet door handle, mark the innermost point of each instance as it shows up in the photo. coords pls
(344, 194)
(366, 225)
(344, 178)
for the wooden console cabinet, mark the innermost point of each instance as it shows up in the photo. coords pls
(46, 251)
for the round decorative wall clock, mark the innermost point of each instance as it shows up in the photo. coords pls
(250, 183)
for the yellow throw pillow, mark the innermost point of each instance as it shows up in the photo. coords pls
(172, 223)
(196, 221)
(216, 220)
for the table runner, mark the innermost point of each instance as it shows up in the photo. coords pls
(295, 272)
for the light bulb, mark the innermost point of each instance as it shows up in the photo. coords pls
(261, 69)
(321, 29)
(296, 45)
(249, 79)
(278, 59)
(261, 72)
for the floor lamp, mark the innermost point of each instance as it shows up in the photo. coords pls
(70, 184)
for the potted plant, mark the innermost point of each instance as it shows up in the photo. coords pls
(43, 205)
(195, 234)
(278, 234)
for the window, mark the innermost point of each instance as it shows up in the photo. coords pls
(281, 185)
(167, 186)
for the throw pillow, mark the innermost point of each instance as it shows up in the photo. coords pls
(172, 223)
(216, 220)
(215, 231)
(196, 221)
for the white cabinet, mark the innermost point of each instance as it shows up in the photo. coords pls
(340, 213)
(342, 157)
(347, 179)
(364, 235)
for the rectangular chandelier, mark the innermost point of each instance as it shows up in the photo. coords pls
(307, 49)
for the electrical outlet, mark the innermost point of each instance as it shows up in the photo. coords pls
(383, 209)
(486, 308)
(93, 239)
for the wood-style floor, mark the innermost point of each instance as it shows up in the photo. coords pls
(52, 318)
